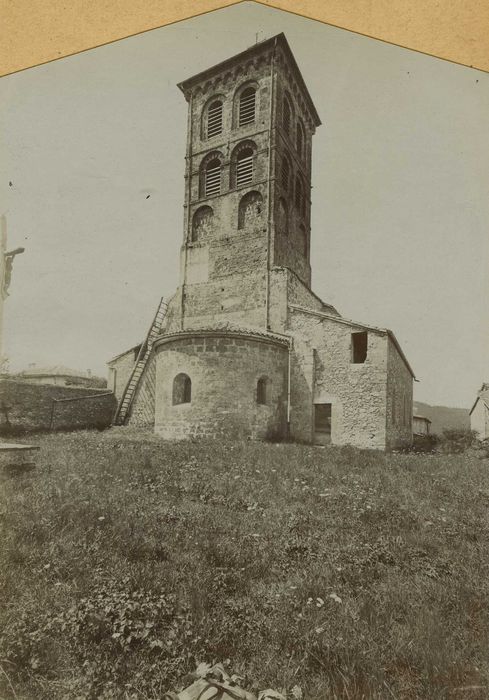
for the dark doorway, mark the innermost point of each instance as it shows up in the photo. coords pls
(322, 423)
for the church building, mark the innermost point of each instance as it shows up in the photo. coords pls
(245, 348)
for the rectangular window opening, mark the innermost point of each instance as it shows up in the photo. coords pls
(322, 423)
(359, 342)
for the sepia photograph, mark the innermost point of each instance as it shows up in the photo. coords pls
(244, 372)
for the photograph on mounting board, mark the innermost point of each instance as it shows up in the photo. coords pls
(248, 326)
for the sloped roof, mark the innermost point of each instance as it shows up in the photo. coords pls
(356, 324)
(126, 352)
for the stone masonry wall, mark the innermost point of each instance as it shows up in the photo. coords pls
(399, 400)
(322, 372)
(142, 412)
(30, 406)
(224, 371)
(224, 262)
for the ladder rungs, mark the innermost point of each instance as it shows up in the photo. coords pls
(140, 365)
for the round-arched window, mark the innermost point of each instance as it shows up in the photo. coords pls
(250, 209)
(263, 391)
(182, 389)
(202, 223)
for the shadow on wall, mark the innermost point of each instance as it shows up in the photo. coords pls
(27, 408)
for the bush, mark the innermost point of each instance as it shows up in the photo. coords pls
(457, 440)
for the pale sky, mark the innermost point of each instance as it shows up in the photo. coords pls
(400, 205)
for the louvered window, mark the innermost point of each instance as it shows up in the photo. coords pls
(285, 173)
(213, 178)
(286, 115)
(247, 106)
(244, 167)
(214, 119)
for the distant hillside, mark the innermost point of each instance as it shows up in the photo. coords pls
(443, 416)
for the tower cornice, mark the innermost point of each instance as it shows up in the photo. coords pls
(209, 78)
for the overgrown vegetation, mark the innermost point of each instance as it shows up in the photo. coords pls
(125, 562)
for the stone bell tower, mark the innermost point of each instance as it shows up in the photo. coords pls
(247, 185)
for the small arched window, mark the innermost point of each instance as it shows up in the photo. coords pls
(202, 222)
(182, 389)
(263, 391)
(299, 138)
(214, 119)
(247, 106)
(249, 210)
(212, 177)
(286, 115)
(244, 167)
(285, 173)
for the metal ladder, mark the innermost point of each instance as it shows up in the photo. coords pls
(125, 403)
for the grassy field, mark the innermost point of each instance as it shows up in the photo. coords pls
(125, 561)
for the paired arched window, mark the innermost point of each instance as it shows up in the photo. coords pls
(243, 164)
(202, 222)
(213, 120)
(244, 167)
(182, 389)
(210, 175)
(247, 106)
(249, 210)
(263, 391)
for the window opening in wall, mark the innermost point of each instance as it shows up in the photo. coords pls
(359, 342)
(322, 423)
(262, 390)
(182, 389)
(214, 119)
(213, 178)
(247, 104)
(244, 167)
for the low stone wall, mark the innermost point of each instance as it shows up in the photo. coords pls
(36, 407)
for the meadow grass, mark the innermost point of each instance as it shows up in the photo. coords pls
(126, 560)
